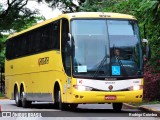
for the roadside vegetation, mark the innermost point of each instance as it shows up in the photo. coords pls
(1, 95)
(144, 102)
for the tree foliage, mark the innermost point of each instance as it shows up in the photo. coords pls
(15, 16)
(64, 5)
(98, 5)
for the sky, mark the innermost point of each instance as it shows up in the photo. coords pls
(43, 9)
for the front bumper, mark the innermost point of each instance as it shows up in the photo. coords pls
(99, 97)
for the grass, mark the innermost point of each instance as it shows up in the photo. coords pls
(146, 103)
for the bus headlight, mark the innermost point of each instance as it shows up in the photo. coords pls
(137, 87)
(82, 88)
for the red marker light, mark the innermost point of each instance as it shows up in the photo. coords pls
(80, 81)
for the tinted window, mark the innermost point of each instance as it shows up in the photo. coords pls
(38, 40)
(65, 56)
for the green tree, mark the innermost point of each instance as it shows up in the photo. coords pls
(2, 49)
(98, 5)
(15, 17)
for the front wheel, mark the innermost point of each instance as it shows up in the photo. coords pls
(117, 106)
(58, 101)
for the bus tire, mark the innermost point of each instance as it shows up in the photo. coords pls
(117, 106)
(73, 106)
(17, 98)
(25, 103)
(58, 101)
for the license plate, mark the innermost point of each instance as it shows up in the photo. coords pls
(110, 97)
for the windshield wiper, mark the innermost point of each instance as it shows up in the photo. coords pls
(100, 65)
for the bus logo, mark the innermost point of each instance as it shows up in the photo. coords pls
(43, 61)
(110, 87)
(80, 81)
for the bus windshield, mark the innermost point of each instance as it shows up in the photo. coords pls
(106, 48)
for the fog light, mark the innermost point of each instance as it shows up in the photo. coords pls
(81, 97)
(82, 88)
(76, 96)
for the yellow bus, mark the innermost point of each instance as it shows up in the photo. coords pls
(76, 58)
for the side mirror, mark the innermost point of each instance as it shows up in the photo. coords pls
(69, 44)
(147, 48)
(144, 40)
(70, 39)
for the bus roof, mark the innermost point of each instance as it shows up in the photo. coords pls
(69, 16)
(99, 15)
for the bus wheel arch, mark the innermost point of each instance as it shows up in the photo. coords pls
(17, 96)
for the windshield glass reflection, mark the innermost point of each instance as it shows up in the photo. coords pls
(103, 46)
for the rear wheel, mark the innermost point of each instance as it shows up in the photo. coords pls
(25, 103)
(117, 106)
(17, 98)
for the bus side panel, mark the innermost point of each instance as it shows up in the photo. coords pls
(37, 73)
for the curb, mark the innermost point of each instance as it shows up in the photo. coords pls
(143, 108)
(148, 109)
(4, 98)
(126, 105)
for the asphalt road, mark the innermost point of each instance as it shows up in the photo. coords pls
(83, 112)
